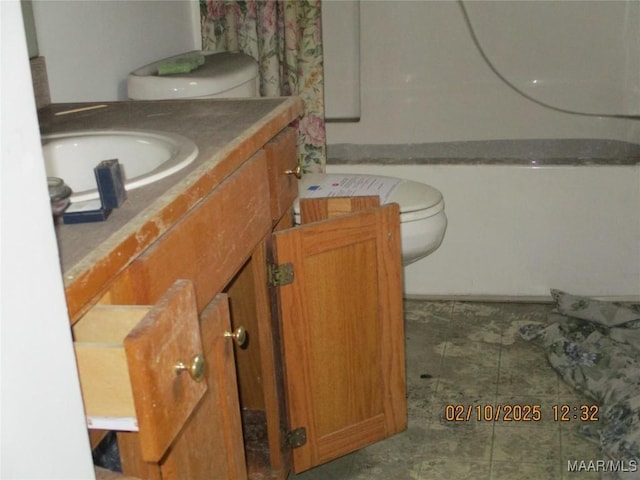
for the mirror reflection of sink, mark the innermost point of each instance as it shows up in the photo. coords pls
(146, 156)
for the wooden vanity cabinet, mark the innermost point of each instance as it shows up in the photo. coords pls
(322, 372)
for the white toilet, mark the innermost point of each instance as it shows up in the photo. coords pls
(219, 75)
(422, 218)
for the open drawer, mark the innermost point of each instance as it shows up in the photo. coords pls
(141, 367)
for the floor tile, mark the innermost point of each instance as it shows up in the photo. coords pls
(420, 403)
(465, 439)
(339, 469)
(469, 332)
(418, 310)
(423, 365)
(477, 311)
(526, 312)
(525, 370)
(526, 444)
(398, 457)
(469, 368)
(509, 470)
(424, 348)
(400, 470)
(454, 468)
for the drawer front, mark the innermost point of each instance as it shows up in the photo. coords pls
(281, 158)
(212, 242)
(127, 357)
(164, 396)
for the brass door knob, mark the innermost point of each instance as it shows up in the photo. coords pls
(196, 368)
(240, 336)
(297, 172)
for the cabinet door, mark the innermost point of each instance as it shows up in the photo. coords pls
(210, 445)
(343, 333)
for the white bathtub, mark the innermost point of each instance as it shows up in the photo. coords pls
(517, 230)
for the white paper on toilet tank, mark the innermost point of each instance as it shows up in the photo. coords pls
(352, 186)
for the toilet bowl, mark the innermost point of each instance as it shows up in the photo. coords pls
(222, 75)
(422, 218)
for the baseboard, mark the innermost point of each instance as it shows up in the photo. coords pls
(513, 299)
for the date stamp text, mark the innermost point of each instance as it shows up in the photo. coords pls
(520, 412)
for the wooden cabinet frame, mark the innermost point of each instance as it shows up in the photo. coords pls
(323, 371)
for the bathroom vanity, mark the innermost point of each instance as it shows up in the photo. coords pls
(216, 338)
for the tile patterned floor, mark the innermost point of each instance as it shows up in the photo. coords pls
(471, 354)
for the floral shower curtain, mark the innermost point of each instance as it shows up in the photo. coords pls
(285, 37)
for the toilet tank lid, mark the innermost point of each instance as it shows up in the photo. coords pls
(409, 195)
(220, 72)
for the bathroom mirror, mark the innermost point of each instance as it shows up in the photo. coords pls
(29, 28)
(90, 46)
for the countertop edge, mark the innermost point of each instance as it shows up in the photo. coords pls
(87, 278)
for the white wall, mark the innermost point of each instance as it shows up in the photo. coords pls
(90, 46)
(43, 428)
(423, 80)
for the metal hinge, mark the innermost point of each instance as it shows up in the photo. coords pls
(280, 275)
(296, 437)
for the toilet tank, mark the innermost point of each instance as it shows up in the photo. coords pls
(220, 75)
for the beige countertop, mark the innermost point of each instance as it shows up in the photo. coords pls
(227, 132)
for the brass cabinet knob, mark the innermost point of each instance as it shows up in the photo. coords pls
(240, 336)
(297, 172)
(196, 368)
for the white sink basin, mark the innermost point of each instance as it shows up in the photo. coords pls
(145, 156)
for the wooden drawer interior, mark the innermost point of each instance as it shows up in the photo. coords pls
(102, 364)
(127, 357)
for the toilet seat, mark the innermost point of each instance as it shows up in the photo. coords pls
(416, 200)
